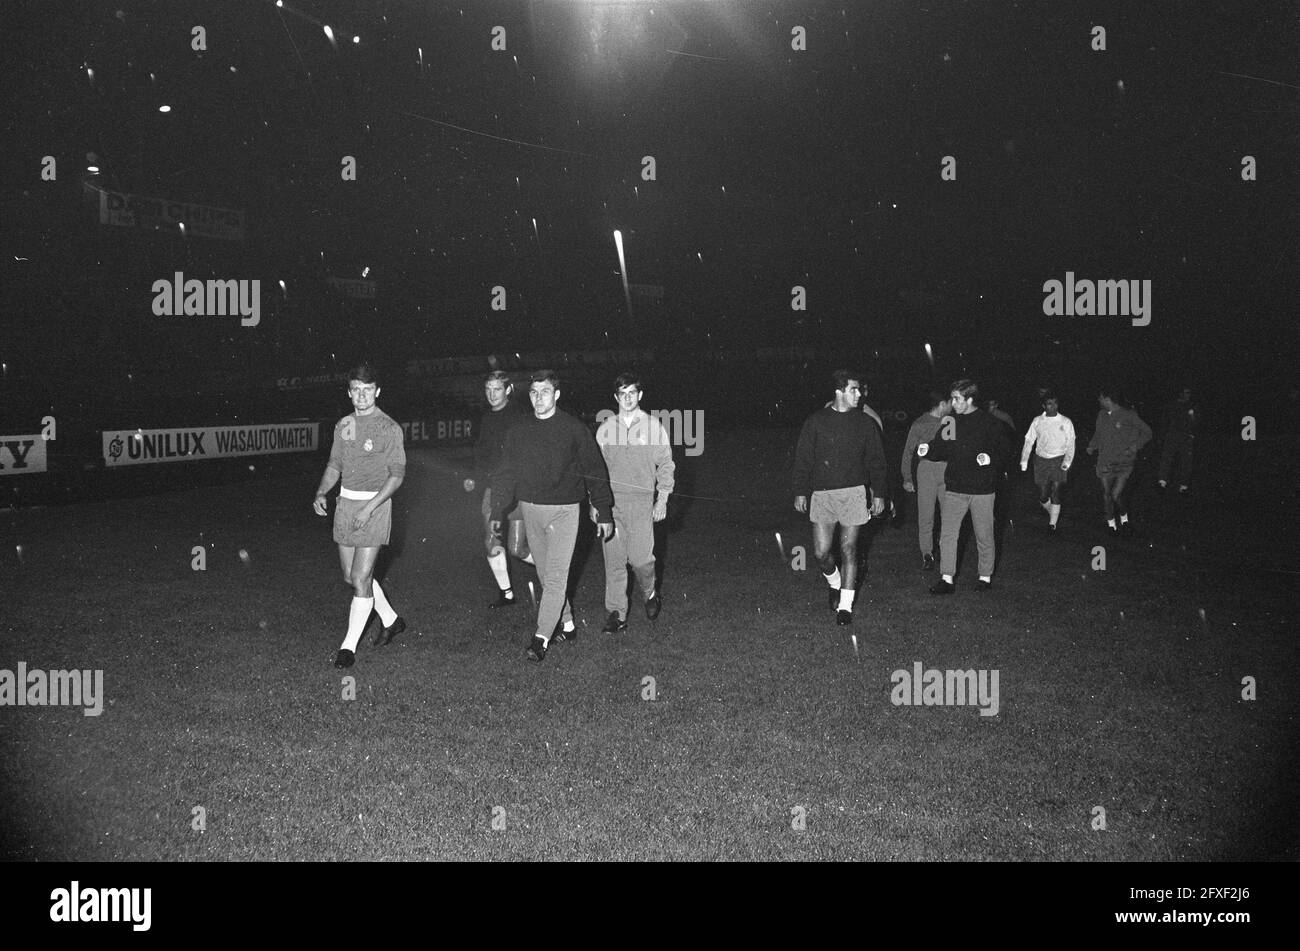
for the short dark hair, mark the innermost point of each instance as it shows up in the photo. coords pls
(365, 371)
(627, 378)
(546, 376)
(937, 397)
(840, 378)
(501, 375)
(1049, 395)
(967, 388)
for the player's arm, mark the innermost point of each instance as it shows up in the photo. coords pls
(909, 453)
(665, 471)
(333, 472)
(1030, 438)
(390, 486)
(504, 480)
(595, 476)
(480, 474)
(873, 460)
(328, 480)
(936, 450)
(801, 479)
(997, 443)
(1143, 432)
(1069, 445)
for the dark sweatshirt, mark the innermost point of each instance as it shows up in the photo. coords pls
(1181, 419)
(491, 442)
(837, 451)
(551, 461)
(973, 433)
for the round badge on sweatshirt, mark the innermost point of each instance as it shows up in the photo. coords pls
(368, 445)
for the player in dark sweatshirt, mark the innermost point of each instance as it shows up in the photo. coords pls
(502, 415)
(1182, 418)
(838, 456)
(975, 446)
(550, 463)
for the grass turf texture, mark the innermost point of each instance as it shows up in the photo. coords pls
(221, 693)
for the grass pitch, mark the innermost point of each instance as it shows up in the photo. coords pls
(1115, 691)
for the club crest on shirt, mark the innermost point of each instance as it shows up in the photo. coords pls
(368, 445)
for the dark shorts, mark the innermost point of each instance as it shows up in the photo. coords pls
(372, 534)
(1047, 471)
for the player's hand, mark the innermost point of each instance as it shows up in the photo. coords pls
(923, 449)
(983, 459)
(595, 516)
(801, 503)
(362, 516)
(1064, 467)
(1024, 467)
(321, 505)
(606, 530)
(495, 526)
(661, 510)
(469, 485)
(877, 507)
(908, 487)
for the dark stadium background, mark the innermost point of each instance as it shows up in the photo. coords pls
(775, 168)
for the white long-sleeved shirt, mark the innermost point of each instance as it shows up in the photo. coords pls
(1055, 437)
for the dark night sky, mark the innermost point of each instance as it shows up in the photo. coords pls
(829, 158)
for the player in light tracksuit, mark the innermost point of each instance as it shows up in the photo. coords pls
(639, 457)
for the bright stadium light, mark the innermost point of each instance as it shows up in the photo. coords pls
(622, 269)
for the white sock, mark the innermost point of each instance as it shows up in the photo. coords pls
(846, 599)
(988, 578)
(497, 563)
(1123, 519)
(1110, 522)
(1046, 505)
(1054, 512)
(948, 578)
(386, 612)
(529, 558)
(1182, 488)
(1163, 483)
(833, 579)
(358, 615)
(569, 627)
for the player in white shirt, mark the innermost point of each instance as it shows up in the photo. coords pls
(1054, 434)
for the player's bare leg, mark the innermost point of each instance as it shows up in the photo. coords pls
(823, 551)
(358, 566)
(1121, 481)
(849, 561)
